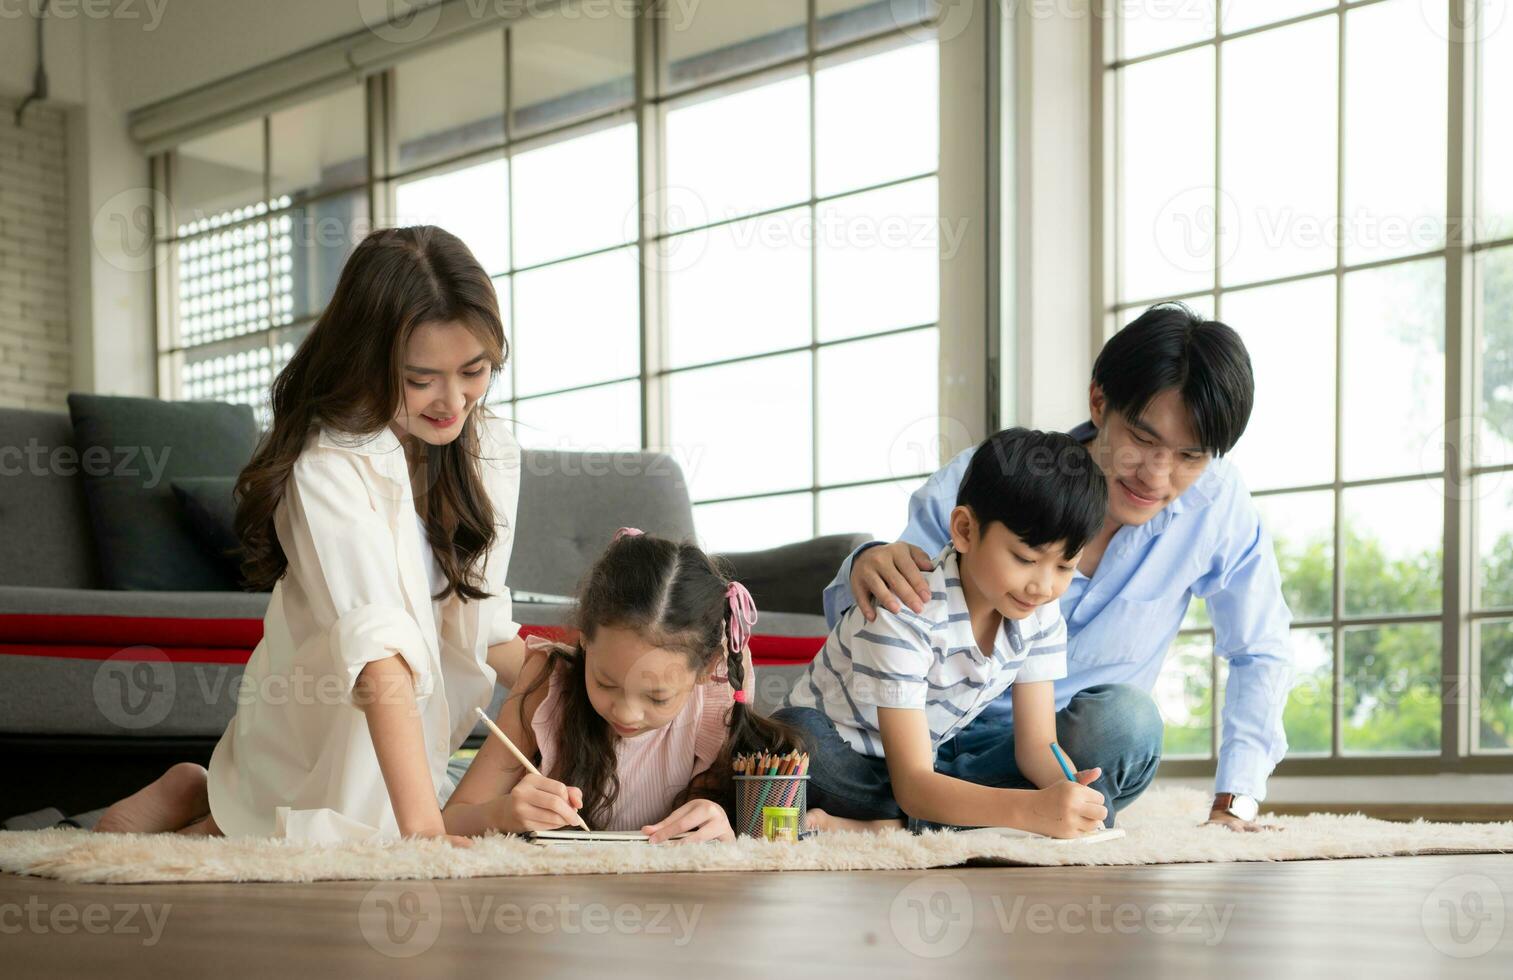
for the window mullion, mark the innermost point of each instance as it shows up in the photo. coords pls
(1457, 710)
(656, 428)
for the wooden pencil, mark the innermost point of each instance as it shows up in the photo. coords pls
(530, 767)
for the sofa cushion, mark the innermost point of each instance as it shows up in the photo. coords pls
(793, 577)
(138, 447)
(46, 538)
(210, 508)
(571, 504)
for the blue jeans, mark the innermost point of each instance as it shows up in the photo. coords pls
(1115, 727)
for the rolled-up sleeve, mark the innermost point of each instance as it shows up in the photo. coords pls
(501, 471)
(503, 628)
(342, 553)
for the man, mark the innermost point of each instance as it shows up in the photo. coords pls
(1171, 393)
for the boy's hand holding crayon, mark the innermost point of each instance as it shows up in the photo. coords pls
(1067, 809)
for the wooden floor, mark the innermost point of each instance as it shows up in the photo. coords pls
(1416, 917)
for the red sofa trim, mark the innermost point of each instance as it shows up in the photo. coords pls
(231, 641)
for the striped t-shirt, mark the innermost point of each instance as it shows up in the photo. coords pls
(928, 660)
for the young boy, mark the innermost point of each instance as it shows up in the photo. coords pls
(883, 700)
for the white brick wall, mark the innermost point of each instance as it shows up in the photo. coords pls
(34, 345)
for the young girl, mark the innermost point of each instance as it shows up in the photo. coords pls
(380, 510)
(635, 724)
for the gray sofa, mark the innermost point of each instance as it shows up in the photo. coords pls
(101, 689)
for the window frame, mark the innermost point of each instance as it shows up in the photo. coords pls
(1460, 662)
(647, 112)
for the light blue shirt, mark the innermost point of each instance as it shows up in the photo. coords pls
(1209, 543)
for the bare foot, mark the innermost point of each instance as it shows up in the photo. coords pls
(169, 802)
(204, 827)
(820, 820)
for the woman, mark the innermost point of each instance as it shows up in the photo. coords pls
(380, 509)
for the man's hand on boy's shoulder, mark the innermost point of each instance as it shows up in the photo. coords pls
(888, 573)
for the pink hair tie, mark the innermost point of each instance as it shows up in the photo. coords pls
(739, 697)
(743, 616)
(624, 532)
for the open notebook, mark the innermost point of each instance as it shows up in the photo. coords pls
(558, 838)
(1096, 837)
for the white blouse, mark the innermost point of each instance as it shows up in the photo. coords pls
(297, 761)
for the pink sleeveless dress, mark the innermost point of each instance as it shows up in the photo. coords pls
(655, 766)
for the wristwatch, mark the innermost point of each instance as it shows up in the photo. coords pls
(1237, 805)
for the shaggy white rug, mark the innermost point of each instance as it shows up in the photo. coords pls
(1162, 828)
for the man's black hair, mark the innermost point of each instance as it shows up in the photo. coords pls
(1043, 486)
(1170, 346)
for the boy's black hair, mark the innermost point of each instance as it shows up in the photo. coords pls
(1170, 346)
(1043, 486)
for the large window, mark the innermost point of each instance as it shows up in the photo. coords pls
(706, 226)
(1299, 169)
(260, 221)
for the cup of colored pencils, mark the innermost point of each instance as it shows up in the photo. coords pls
(771, 794)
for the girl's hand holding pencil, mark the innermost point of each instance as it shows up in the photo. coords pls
(536, 801)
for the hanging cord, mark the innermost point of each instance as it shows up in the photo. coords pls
(39, 80)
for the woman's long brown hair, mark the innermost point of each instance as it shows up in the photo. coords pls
(348, 374)
(673, 597)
